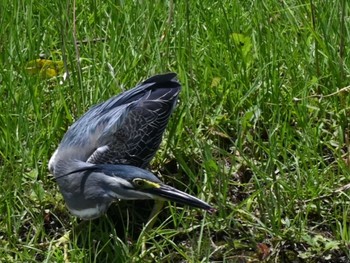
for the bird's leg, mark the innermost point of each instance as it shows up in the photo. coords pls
(158, 205)
(63, 241)
(66, 238)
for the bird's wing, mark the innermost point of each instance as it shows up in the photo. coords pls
(134, 137)
(125, 129)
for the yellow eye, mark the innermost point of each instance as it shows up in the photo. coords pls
(144, 184)
(139, 182)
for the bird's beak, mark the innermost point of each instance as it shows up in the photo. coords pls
(172, 194)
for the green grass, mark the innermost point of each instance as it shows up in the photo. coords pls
(261, 130)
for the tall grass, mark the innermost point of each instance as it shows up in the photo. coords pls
(261, 130)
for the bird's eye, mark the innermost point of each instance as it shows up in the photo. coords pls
(139, 182)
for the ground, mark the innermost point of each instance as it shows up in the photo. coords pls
(261, 130)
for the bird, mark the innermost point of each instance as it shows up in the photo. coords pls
(103, 156)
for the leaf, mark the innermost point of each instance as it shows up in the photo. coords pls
(263, 250)
(215, 82)
(244, 43)
(45, 68)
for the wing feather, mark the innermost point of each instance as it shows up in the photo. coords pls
(126, 129)
(135, 137)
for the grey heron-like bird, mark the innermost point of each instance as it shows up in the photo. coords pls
(103, 155)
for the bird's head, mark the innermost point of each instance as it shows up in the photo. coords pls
(130, 182)
(107, 182)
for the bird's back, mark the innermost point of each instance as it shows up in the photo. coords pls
(126, 129)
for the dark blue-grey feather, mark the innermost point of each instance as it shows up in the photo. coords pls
(126, 172)
(127, 128)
